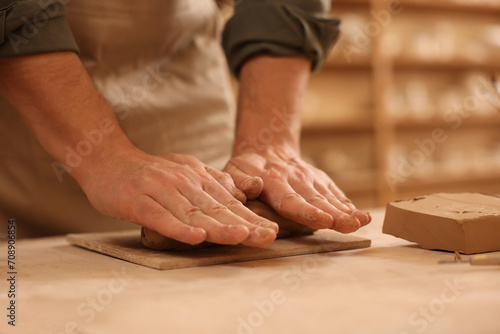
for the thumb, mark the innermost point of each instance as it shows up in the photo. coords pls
(250, 185)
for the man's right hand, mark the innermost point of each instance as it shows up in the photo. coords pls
(175, 195)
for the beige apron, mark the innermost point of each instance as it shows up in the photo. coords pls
(160, 66)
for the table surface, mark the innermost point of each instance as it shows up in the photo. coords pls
(392, 287)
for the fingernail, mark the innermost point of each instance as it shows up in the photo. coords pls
(347, 223)
(318, 217)
(263, 232)
(199, 235)
(250, 182)
(237, 228)
(369, 216)
(363, 217)
(252, 187)
(269, 225)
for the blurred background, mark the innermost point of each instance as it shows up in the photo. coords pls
(405, 104)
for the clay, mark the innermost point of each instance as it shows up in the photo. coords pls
(465, 222)
(287, 227)
(155, 240)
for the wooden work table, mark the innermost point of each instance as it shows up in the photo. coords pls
(392, 287)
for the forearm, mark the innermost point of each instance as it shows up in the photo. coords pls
(58, 101)
(269, 102)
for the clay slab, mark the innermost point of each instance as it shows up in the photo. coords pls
(465, 222)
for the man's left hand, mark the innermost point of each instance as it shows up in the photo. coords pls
(295, 189)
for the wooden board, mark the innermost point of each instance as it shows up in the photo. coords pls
(126, 245)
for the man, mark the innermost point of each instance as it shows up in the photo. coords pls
(138, 133)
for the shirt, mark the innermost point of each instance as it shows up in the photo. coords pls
(272, 27)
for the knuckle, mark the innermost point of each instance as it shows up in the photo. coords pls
(190, 158)
(274, 170)
(203, 175)
(322, 176)
(346, 200)
(191, 212)
(331, 199)
(226, 177)
(339, 194)
(212, 187)
(299, 175)
(144, 175)
(317, 198)
(157, 215)
(182, 175)
(187, 159)
(152, 170)
(218, 209)
(232, 205)
(290, 197)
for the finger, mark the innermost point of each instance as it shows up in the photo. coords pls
(251, 185)
(331, 188)
(363, 216)
(189, 211)
(149, 213)
(242, 211)
(281, 197)
(227, 182)
(344, 205)
(229, 211)
(342, 220)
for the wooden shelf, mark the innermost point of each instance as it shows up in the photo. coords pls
(350, 2)
(416, 64)
(383, 131)
(469, 5)
(333, 65)
(337, 127)
(473, 122)
(448, 5)
(444, 179)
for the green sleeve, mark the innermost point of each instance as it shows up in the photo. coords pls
(34, 26)
(279, 28)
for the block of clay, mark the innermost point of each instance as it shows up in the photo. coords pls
(465, 222)
(155, 240)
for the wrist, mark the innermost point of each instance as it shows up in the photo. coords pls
(95, 151)
(269, 101)
(253, 144)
